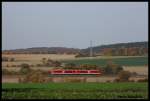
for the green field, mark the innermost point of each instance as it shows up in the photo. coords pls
(75, 91)
(131, 61)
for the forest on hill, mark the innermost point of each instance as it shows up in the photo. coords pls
(131, 48)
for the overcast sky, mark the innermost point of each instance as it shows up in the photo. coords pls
(72, 24)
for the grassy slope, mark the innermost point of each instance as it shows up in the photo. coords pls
(77, 85)
(75, 91)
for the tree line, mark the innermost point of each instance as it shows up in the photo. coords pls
(125, 51)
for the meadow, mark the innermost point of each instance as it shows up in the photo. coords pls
(75, 91)
(130, 61)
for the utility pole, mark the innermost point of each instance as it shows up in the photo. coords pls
(91, 51)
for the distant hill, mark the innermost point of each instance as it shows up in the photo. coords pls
(44, 50)
(132, 46)
(99, 49)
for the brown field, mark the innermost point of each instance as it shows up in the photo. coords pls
(34, 59)
(38, 57)
(15, 79)
(10, 79)
(142, 70)
(34, 68)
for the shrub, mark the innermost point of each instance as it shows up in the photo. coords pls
(143, 80)
(108, 81)
(131, 81)
(12, 59)
(5, 58)
(7, 65)
(39, 65)
(81, 55)
(134, 74)
(5, 72)
(70, 65)
(124, 75)
(112, 68)
(117, 80)
(57, 64)
(44, 61)
(88, 66)
(34, 76)
(18, 65)
(31, 65)
(25, 68)
(13, 65)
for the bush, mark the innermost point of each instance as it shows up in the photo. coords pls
(134, 74)
(31, 65)
(13, 65)
(50, 62)
(70, 65)
(112, 68)
(5, 58)
(7, 65)
(25, 68)
(108, 81)
(39, 65)
(7, 72)
(44, 61)
(12, 59)
(124, 75)
(131, 81)
(88, 66)
(81, 55)
(34, 76)
(143, 80)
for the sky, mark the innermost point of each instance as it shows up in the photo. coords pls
(72, 24)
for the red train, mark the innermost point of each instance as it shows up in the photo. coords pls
(78, 72)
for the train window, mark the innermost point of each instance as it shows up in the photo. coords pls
(94, 71)
(83, 71)
(68, 71)
(58, 71)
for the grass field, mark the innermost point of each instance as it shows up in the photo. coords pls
(131, 61)
(75, 91)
